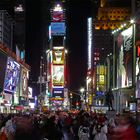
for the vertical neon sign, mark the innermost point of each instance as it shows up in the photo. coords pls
(89, 42)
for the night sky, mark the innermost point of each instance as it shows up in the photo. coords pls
(37, 21)
(77, 13)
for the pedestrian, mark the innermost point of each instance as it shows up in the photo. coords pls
(109, 99)
(3, 135)
(126, 130)
(111, 126)
(84, 131)
(10, 127)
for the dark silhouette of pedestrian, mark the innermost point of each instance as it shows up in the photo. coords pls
(109, 99)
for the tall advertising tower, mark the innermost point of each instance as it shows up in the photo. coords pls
(56, 57)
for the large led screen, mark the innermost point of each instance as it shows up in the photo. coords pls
(11, 76)
(3, 63)
(58, 28)
(58, 92)
(23, 83)
(137, 38)
(124, 57)
(58, 75)
(58, 56)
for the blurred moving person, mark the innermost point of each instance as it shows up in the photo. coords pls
(126, 130)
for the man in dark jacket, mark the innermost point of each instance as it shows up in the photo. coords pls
(109, 99)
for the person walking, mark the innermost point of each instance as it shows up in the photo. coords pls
(100, 131)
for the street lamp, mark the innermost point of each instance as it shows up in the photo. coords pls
(66, 51)
(82, 90)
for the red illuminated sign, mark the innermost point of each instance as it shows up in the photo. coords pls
(138, 51)
(57, 16)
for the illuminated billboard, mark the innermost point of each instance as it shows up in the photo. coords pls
(58, 28)
(138, 77)
(24, 83)
(57, 16)
(137, 38)
(58, 92)
(58, 56)
(124, 57)
(101, 77)
(30, 92)
(11, 76)
(58, 74)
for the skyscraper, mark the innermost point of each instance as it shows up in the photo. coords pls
(20, 23)
(6, 29)
(56, 56)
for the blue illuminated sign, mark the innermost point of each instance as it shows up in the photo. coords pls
(58, 28)
(58, 92)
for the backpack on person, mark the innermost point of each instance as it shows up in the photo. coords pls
(84, 132)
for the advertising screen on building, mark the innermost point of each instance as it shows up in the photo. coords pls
(101, 77)
(99, 93)
(24, 83)
(138, 77)
(3, 63)
(137, 60)
(58, 92)
(30, 92)
(58, 74)
(58, 56)
(58, 28)
(11, 76)
(57, 16)
(124, 57)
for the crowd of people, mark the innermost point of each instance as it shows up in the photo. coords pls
(61, 125)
